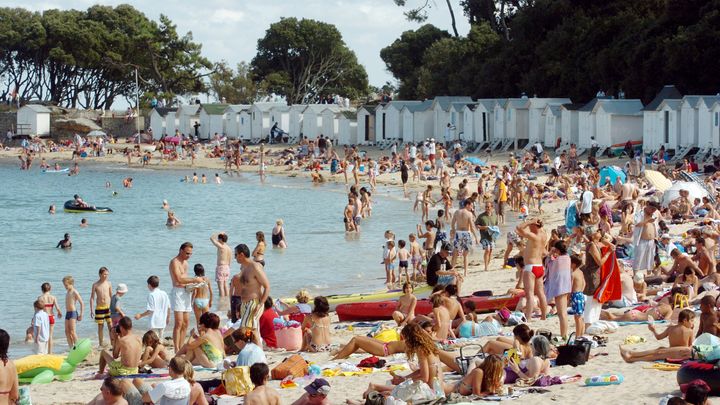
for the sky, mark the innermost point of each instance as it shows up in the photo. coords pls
(229, 30)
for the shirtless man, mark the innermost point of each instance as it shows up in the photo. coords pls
(180, 298)
(463, 234)
(125, 356)
(349, 217)
(705, 260)
(533, 272)
(100, 296)
(645, 249)
(681, 262)
(224, 255)
(429, 236)
(254, 289)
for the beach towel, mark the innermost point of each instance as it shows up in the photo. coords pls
(628, 323)
(610, 286)
(571, 216)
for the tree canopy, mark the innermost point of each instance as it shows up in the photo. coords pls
(307, 59)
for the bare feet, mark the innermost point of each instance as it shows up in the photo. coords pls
(625, 354)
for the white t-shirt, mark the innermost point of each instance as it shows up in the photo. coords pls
(432, 148)
(41, 326)
(557, 162)
(413, 152)
(173, 392)
(587, 199)
(159, 303)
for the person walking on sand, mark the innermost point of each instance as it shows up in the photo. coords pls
(533, 272)
(158, 307)
(463, 235)
(483, 223)
(222, 269)
(100, 294)
(254, 289)
(72, 316)
(180, 298)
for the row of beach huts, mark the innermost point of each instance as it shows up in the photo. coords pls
(682, 123)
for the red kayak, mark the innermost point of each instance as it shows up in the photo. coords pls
(375, 311)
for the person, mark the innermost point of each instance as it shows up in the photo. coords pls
(197, 394)
(486, 379)
(254, 288)
(154, 353)
(594, 260)
(441, 316)
(65, 243)
(577, 298)
(51, 305)
(41, 329)
(679, 336)
(315, 393)
(206, 349)
(267, 326)
(483, 223)
(533, 272)
(708, 317)
(405, 311)
(224, 255)
(389, 260)
(258, 253)
(301, 309)
(158, 307)
(559, 282)
(697, 394)
(180, 298)
(439, 270)
(100, 295)
(72, 316)
(278, 235)
(165, 205)
(403, 260)
(316, 327)
(532, 366)
(172, 220)
(51, 210)
(349, 216)
(645, 247)
(463, 234)
(127, 349)
(520, 341)
(111, 393)
(174, 391)
(502, 197)
(83, 223)
(202, 295)
(250, 353)
(261, 394)
(116, 312)
(586, 199)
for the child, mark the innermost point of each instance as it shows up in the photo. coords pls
(72, 316)
(49, 302)
(679, 336)
(154, 353)
(403, 256)
(523, 211)
(415, 255)
(390, 263)
(261, 394)
(708, 316)
(577, 298)
(202, 294)
(41, 329)
(640, 286)
(116, 312)
(100, 297)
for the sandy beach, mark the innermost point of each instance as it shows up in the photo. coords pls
(642, 385)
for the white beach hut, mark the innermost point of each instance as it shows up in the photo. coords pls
(715, 127)
(171, 122)
(441, 109)
(347, 128)
(457, 118)
(295, 126)
(330, 124)
(569, 116)
(237, 124)
(260, 118)
(705, 121)
(483, 120)
(468, 124)
(188, 115)
(553, 124)
(212, 120)
(313, 119)
(516, 121)
(159, 122)
(536, 119)
(388, 123)
(33, 119)
(366, 124)
(280, 114)
(611, 122)
(661, 120)
(499, 119)
(417, 121)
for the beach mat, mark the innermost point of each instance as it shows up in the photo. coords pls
(627, 323)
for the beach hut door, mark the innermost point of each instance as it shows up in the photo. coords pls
(666, 128)
(367, 128)
(484, 127)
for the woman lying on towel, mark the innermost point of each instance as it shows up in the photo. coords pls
(643, 313)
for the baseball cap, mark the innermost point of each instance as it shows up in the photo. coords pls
(319, 386)
(122, 288)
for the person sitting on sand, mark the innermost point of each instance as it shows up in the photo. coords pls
(174, 391)
(126, 353)
(708, 317)
(249, 350)
(299, 311)
(206, 349)
(531, 367)
(679, 336)
(520, 341)
(261, 394)
(485, 379)
(315, 393)
(405, 311)
(154, 353)
(316, 327)
(111, 393)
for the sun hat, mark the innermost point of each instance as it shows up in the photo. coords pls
(122, 288)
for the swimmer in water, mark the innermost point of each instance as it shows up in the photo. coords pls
(127, 183)
(195, 178)
(218, 180)
(165, 205)
(65, 243)
(172, 220)
(203, 179)
(107, 184)
(51, 210)
(83, 223)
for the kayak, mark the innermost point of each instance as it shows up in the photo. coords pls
(375, 311)
(340, 299)
(65, 170)
(71, 207)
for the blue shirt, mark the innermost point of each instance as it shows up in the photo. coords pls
(251, 354)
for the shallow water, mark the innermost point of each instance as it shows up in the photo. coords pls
(134, 243)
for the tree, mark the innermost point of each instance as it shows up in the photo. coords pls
(419, 13)
(306, 59)
(236, 87)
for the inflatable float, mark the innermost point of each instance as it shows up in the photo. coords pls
(44, 368)
(339, 299)
(374, 311)
(65, 170)
(71, 207)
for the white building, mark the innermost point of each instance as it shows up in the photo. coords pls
(295, 127)
(188, 115)
(661, 120)
(261, 119)
(483, 120)
(499, 117)
(330, 121)
(366, 124)
(171, 122)
(517, 111)
(281, 115)
(347, 128)
(553, 124)
(611, 122)
(715, 127)
(238, 122)
(441, 109)
(569, 117)
(388, 124)
(704, 121)
(33, 119)
(159, 122)
(212, 120)
(536, 119)
(417, 122)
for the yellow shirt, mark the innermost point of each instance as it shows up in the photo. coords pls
(502, 191)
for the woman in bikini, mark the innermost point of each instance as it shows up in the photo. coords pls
(520, 341)
(154, 354)
(258, 253)
(8, 373)
(206, 349)
(316, 327)
(532, 366)
(485, 379)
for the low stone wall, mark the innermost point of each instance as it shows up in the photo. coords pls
(8, 121)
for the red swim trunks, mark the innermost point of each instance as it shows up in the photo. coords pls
(536, 269)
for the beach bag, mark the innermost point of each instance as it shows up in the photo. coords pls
(294, 365)
(414, 391)
(237, 381)
(574, 354)
(706, 347)
(289, 339)
(464, 361)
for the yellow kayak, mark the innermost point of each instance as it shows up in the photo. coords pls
(337, 299)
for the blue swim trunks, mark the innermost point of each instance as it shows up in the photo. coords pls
(577, 302)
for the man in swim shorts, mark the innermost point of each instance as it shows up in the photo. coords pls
(254, 289)
(483, 222)
(462, 232)
(224, 255)
(533, 272)
(126, 352)
(180, 297)
(100, 296)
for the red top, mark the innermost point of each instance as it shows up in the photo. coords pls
(267, 330)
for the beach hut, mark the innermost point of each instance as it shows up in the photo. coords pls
(417, 122)
(330, 121)
(33, 119)
(280, 114)
(366, 124)
(706, 121)
(212, 120)
(442, 115)
(388, 123)
(347, 128)
(468, 125)
(171, 122)
(715, 127)
(661, 120)
(159, 121)
(516, 121)
(611, 122)
(536, 120)
(237, 121)
(483, 120)
(553, 124)
(313, 119)
(457, 118)
(295, 126)
(499, 116)
(188, 116)
(260, 119)
(569, 117)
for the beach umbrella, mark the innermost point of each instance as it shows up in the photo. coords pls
(696, 190)
(475, 161)
(614, 173)
(658, 180)
(96, 133)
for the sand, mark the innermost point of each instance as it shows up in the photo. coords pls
(641, 386)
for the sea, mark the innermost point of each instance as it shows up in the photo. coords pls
(134, 243)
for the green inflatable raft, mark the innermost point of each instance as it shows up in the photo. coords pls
(44, 368)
